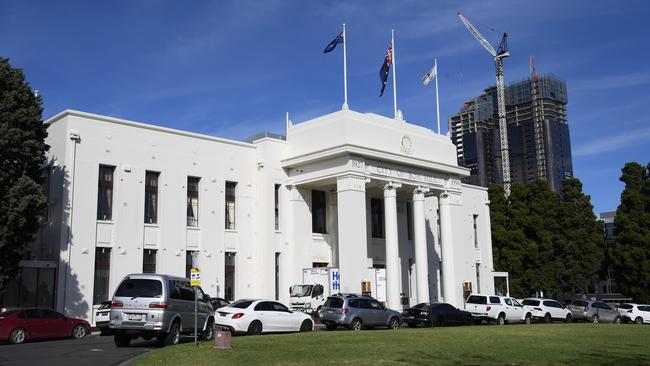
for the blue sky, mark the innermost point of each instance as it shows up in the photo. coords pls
(233, 68)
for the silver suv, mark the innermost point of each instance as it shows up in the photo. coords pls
(594, 311)
(161, 306)
(357, 311)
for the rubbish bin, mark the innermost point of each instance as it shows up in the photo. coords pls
(222, 340)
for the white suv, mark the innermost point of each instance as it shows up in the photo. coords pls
(497, 308)
(635, 313)
(547, 310)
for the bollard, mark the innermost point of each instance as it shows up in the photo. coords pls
(222, 340)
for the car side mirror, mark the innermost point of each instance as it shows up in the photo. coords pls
(290, 289)
(206, 297)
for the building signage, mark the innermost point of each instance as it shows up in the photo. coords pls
(400, 172)
(335, 281)
(196, 277)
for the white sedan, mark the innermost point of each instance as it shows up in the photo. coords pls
(261, 316)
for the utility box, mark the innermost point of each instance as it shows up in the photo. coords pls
(222, 339)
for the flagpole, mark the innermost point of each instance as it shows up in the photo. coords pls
(392, 46)
(437, 101)
(345, 70)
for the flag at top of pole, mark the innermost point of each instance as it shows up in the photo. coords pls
(426, 79)
(329, 48)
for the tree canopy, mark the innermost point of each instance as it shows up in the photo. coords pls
(630, 254)
(22, 171)
(546, 241)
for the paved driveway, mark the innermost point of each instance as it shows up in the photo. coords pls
(91, 350)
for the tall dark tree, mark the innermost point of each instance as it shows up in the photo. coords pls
(630, 254)
(544, 242)
(22, 156)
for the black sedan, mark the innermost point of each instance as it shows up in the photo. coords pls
(436, 314)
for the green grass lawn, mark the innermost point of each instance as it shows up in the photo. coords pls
(537, 344)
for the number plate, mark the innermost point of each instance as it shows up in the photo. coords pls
(330, 311)
(135, 316)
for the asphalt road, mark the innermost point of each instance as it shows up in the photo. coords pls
(91, 350)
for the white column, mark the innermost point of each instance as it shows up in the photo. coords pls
(353, 240)
(447, 247)
(420, 236)
(392, 247)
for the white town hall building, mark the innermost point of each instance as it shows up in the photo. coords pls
(349, 190)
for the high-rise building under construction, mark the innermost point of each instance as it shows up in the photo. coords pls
(538, 133)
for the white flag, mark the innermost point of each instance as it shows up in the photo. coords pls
(426, 79)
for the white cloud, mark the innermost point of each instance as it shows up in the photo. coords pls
(612, 143)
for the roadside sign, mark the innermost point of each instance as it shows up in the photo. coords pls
(195, 275)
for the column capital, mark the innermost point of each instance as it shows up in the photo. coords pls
(389, 189)
(418, 193)
(351, 183)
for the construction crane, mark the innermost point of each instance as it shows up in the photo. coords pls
(501, 99)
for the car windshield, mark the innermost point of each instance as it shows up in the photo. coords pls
(579, 303)
(423, 306)
(136, 287)
(301, 290)
(241, 304)
(531, 302)
(333, 302)
(477, 300)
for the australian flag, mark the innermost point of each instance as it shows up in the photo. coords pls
(385, 68)
(330, 47)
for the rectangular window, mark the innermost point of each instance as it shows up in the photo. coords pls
(229, 276)
(102, 275)
(409, 220)
(475, 223)
(277, 206)
(377, 218)
(105, 193)
(231, 188)
(318, 218)
(478, 278)
(277, 276)
(193, 201)
(149, 261)
(151, 198)
(191, 261)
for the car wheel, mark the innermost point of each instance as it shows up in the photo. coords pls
(356, 324)
(528, 318)
(174, 335)
(501, 319)
(547, 318)
(568, 319)
(638, 320)
(254, 328)
(306, 326)
(412, 325)
(17, 336)
(594, 319)
(393, 323)
(617, 320)
(331, 325)
(79, 332)
(208, 333)
(122, 340)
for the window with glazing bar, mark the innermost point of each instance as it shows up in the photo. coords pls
(151, 198)
(105, 193)
(231, 188)
(193, 201)
(276, 196)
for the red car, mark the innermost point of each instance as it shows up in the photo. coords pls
(19, 325)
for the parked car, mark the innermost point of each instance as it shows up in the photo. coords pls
(218, 302)
(435, 314)
(103, 317)
(547, 310)
(255, 317)
(160, 306)
(356, 312)
(21, 324)
(636, 313)
(500, 309)
(594, 311)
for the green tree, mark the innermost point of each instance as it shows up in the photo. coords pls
(22, 156)
(630, 254)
